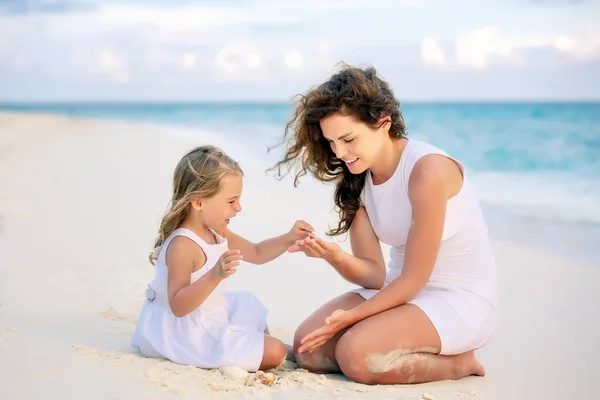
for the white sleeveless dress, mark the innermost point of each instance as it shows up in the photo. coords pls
(461, 297)
(227, 329)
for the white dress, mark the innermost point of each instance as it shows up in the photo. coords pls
(461, 297)
(227, 329)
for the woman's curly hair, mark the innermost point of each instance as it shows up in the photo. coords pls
(352, 91)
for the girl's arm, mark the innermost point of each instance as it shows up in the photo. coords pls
(183, 257)
(269, 249)
(434, 180)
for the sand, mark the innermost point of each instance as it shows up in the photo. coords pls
(80, 201)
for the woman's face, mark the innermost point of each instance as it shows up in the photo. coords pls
(354, 142)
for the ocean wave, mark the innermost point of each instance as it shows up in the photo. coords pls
(546, 195)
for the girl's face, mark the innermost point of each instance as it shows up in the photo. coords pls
(354, 142)
(218, 210)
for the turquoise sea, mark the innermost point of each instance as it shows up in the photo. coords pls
(535, 166)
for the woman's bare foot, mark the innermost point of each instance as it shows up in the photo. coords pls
(466, 364)
(289, 353)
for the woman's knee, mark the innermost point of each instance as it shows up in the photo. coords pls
(317, 361)
(323, 359)
(301, 331)
(350, 354)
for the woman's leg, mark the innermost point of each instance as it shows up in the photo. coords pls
(323, 359)
(399, 346)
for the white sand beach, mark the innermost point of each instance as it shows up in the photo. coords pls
(80, 201)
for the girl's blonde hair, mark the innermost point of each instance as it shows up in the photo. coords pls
(198, 174)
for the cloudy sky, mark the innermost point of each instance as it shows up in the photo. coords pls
(270, 50)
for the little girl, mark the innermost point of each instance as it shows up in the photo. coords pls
(187, 317)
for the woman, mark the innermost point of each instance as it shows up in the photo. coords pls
(422, 319)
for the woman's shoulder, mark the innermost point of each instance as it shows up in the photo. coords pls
(425, 161)
(432, 168)
(419, 148)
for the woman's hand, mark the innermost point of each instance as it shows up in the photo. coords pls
(300, 230)
(316, 247)
(335, 323)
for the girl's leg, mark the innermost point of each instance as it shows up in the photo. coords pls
(323, 359)
(399, 346)
(289, 350)
(274, 353)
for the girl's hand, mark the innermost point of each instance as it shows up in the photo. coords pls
(300, 230)
(316, 247)
(227, 263)
(335, 323)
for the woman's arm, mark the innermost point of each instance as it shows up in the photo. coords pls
(366, 267)
(434, 180)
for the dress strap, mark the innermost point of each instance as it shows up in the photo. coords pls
(158, 252)
(190, 235)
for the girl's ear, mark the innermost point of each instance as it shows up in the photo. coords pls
(197, 203)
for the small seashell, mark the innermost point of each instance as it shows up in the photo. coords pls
(268, 378)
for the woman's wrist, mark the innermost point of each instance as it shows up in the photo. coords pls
(355, 315)
(335, 258)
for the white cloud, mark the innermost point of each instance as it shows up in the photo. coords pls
(361, 4)
(253, 60)
(113, 65)
(186, 18)
(432, 53)
(483, 47)
(188, 61)
(240, 61)
(478, 47)
(273, 42)
(293, 60)
(584, 48)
